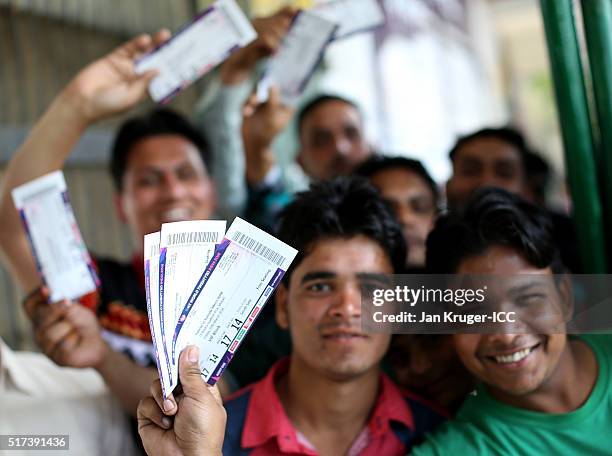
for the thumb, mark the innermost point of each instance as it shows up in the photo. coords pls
(189, 372)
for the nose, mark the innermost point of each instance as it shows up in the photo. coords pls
(347, 304)
(342, 145)
(406, 215)
(490, 179)
(173, 187)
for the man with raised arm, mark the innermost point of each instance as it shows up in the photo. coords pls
(160, 173)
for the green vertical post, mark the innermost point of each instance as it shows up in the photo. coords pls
(597, 17)
(576, 131)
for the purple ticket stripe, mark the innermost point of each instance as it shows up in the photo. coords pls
(246, 326)
(147, 272)
(86, 256)
(193, 297)
(162, 272)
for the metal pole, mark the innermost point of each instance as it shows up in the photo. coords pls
(576, 131)
(597, 17)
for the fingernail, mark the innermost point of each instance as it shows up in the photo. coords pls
(166, 422)
(193, 354)
(168, 405)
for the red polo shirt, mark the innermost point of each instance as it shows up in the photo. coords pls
(258, 425)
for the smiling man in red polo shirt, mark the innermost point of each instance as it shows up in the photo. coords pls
(330, 396)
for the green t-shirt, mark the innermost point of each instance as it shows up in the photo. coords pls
(486, 426)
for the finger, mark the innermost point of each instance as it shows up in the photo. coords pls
(82, 319)
(189, 372)
(66, 347)
(46, 316)
(142, 43)
(53, 335)
(161, 37)
(149, 412)
(35, 299)
(251, 105)
(168, 405)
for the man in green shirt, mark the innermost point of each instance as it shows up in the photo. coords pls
(540, 392)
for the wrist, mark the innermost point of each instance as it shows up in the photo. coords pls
(71, 104)
(105, 360)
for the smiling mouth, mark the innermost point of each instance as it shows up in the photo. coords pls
(513, 358)
(175, 215)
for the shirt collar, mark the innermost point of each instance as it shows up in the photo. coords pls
(266, 419)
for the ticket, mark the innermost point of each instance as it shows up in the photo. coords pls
(185, 250)
(197, 48)
(62, 259)
(151, 272)
(352, 16)
(293, 65)
(245, 270)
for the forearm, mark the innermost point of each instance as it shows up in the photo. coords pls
(128, 381)
(220, 122)
(45, 150)
(259, 162)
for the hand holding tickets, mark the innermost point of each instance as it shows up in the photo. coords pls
(197, 48)
(61, 256)
(293, 65)
(211, 304)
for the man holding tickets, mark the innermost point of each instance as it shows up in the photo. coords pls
(330, 396)
(160, 175)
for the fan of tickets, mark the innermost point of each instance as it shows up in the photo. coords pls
(206, 287)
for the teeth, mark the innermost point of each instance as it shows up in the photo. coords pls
(175, 215)
(514, 357)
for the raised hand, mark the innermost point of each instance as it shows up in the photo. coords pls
(110, 85)
(270, 33)
(261, 123)
(190, 424)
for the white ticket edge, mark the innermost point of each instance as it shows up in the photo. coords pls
(343, 12)
(156, 58)
(168, 310)
(53, 182)
(276, 70)
(256, 242)
(151, 266)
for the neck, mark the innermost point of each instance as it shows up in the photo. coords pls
(340, 410)
(568, 387)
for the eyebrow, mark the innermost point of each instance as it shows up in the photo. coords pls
(374, 276)
(318, 275)
(526, 287)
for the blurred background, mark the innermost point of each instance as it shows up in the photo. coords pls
(437, 69)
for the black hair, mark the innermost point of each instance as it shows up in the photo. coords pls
(538, 175)
(318, 101)
(378, 163)
(508, 135)
(492, 217)
(343, 207)
(159, 121)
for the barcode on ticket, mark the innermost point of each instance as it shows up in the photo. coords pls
(192, 237)
(258, 248)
